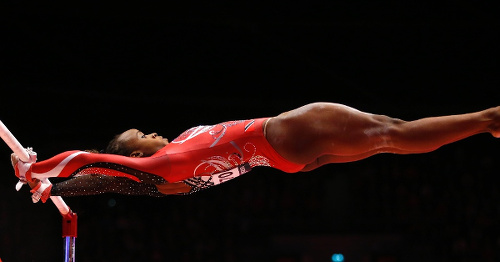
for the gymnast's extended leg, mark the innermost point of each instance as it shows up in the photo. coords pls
(322, 133)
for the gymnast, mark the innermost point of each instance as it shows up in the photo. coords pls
(302, 139)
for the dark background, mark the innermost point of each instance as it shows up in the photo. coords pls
(76, 74)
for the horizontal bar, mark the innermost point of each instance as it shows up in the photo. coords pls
(21, 152)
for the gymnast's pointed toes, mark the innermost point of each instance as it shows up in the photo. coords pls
(494, 130)
(495, 133)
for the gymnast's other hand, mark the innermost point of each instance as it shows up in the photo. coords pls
(39, 189)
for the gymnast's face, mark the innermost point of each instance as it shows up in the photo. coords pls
(142, 145)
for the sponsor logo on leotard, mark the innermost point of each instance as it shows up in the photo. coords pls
(248, 125)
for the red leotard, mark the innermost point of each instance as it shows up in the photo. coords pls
(199, 151)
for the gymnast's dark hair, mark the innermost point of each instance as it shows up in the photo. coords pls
(115, 146)
(118, 147)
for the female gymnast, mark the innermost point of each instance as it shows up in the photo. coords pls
(302, 139)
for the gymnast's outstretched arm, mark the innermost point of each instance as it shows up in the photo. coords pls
(71, 163)
(81, 184)
(99, 184)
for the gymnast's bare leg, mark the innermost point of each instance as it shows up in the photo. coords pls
(322, 133)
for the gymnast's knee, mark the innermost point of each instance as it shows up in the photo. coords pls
(388, 120)
(387, 129)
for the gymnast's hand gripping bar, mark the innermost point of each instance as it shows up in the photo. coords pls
(19, 150)
(69, 223)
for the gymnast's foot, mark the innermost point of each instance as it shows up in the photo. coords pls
(494, 128)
